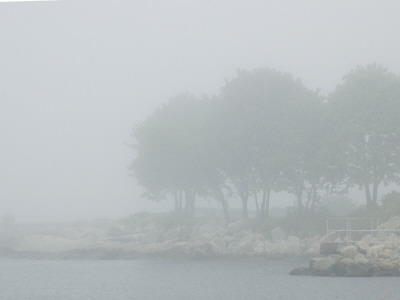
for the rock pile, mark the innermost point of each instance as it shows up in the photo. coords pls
(371, 256)
(110, 239)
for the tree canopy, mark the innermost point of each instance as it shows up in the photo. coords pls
(265, 131)
(365, 109)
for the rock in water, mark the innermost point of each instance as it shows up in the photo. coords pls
(329, 248)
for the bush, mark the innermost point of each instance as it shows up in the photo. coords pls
(302, 224)
(390, 207)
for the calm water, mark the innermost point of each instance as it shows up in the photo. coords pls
(180, 279)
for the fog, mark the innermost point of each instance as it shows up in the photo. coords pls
(76, 76)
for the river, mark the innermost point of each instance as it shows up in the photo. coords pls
(180, 279)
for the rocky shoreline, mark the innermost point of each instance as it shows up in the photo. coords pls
(355, 259)
(330, 255)
(377, 255)
(113, 240)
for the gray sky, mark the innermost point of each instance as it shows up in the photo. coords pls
(75, 76)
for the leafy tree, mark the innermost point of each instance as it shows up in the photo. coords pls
(365, 110)
(314, 172)
(255, 110)
(169, 156)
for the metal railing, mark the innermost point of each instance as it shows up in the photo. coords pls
(352, 227)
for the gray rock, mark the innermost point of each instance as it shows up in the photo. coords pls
(301, 271)
(362, 247)
(236, 226)
(330, 237)
(322, 265)
(329, 248)
(349, 251)
(278, 234)
(359, 270)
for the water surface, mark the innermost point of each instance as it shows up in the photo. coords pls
(180, 279)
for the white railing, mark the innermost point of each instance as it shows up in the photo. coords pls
(360, 226)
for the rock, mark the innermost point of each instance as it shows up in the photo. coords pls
(151, 237)
(294, 241)
(148, 225)
(341, 266)
(389, 266)
(311, 251)
(349, 251)
(172, 234)
(301, 271)
(330, 237)
(329, 248)
(359, 270)
(386, 253)
(375, 250)
(219, 242)
(278, 234)
(287, 247)
(362, 247)
(210, 229)
(322, 265)
(236, 226)
(259, 248)
(360, 259)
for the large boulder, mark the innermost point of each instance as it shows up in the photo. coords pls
(387, 267)
(329, 248)
(359, 267)
(236, 226)
(172, 234)
(349, 251)
(330, 237)
(362, 247)
(322, 265)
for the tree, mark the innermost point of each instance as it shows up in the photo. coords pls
(365, 109)
(169, 151)
(308, 172)
(254, 112)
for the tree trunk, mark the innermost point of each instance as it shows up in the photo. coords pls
(224, 205)
(374, 202)
(300, 201)
(244, 195)
(267, 202)
(257, 207)
(245, 214)
(180, 201)
(189, 198)
(263, 203)
(367, 195)
(176, 201)
(314, 198)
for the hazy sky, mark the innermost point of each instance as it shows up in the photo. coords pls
(75, 76)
